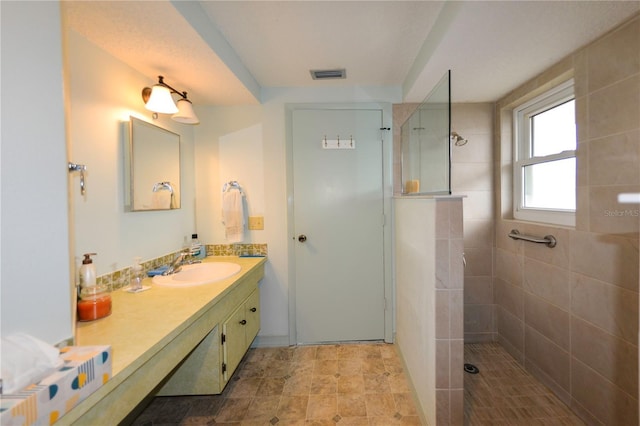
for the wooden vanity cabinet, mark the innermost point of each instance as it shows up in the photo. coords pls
(238, 331)
(208, 368)
(179, 350)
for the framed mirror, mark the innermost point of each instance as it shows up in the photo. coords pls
(152, 167)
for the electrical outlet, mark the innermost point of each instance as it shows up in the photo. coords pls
(256, 223)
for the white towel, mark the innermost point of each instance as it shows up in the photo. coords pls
(233, 215)
(161, 200)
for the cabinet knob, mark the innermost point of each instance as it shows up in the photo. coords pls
(243, 322)
(253, 309)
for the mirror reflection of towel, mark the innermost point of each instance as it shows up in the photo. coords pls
(161, 200)
(233, 215)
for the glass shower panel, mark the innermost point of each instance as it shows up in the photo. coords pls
(426, 144)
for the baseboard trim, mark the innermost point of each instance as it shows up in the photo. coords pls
(270, 341)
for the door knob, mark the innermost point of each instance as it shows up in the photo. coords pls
(302, 238)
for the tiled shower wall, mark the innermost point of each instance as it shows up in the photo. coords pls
(570, 314)
(472, 177)
(429, 290)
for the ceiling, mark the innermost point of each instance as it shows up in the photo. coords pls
(226, 52)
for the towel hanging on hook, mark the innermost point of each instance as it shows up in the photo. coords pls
(233, 211)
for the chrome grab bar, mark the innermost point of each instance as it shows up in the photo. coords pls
(549, 240)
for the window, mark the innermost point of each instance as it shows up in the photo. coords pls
(545, 158)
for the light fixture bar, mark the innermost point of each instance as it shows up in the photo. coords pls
(158, 99)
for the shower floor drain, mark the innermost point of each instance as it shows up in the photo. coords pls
(471, 369)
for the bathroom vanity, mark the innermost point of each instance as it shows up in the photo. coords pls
(170, 341)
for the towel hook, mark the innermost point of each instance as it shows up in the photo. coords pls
(73, 167)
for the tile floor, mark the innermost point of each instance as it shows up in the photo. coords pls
(503, 393)
(347, 384)
(357, 384)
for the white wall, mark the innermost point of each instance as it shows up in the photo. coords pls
(415, 256)
(103, 93)
(228, 142)
(233, 143)
(35, 277)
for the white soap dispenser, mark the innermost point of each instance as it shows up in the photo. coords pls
(88, 271)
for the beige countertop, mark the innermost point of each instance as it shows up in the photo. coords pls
(142, 324)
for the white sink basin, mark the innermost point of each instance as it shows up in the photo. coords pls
(198, 274)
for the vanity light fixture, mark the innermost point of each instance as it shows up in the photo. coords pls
(158, 99)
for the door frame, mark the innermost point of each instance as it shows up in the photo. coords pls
(387, 183)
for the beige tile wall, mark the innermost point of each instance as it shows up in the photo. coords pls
(429, 303)
(449, 295)
(570, 314)
(471, 176)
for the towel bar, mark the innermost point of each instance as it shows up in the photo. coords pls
(73, 167)
(549, 240)
(163, 185)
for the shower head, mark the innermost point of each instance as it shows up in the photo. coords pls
(457, 139)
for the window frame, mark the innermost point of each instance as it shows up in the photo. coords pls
(556, 96)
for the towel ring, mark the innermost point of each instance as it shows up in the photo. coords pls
(232, 184)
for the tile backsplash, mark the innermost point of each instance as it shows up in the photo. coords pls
(120, 278)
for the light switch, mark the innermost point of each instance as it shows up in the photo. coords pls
(256, 223)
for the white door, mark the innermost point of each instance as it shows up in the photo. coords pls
(338, 225)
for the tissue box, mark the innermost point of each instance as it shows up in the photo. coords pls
(85, 369)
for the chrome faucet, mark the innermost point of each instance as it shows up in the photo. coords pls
(177, 263)
(183, 258)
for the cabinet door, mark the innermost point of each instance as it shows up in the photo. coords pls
(252, 306)
(234, 345)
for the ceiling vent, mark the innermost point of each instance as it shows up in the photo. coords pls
(328, 74)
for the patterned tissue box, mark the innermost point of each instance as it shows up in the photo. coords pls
(85, 369)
